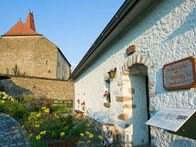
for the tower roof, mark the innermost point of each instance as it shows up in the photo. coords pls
(30, 21)
(23, 29)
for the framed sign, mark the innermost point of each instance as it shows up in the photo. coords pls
(180, 74)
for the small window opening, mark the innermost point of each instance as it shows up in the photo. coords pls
(46, 62)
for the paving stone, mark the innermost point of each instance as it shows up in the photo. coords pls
(10, 135)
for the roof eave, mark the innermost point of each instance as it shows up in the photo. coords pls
(117, 18)
(131, 10)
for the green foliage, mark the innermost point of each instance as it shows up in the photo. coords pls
(108, 97)
(43, 127)
(16, 71)
(12, 107)
(60, 109)
(38, 122)
(33, 103)
(80, 127)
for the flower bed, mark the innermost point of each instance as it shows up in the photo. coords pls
(44, 127)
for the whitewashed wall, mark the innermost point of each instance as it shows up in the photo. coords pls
(166, 34)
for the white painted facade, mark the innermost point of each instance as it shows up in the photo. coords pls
(164, 33)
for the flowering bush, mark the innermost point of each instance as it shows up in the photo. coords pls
(91, 135)
(107, 95)
(44, 128)
(12, 107)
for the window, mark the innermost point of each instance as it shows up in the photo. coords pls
(46, 62)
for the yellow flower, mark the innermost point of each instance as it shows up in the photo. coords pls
(30, 135)
(87, 132)
(22, 126)
(43, 132)
(100, 137)
(91, 135)
(88, 125)
(37, 126)
(43, 108)
(38, 114)
(62, 133)
(46, 110)
(88, 141)
(38, 137)
(81, 142)
(81, 134)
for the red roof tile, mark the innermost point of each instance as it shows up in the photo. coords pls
(23, 29)
(30, 21)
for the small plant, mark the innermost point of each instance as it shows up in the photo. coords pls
(107, 95)
(16, 71)
(92, 135)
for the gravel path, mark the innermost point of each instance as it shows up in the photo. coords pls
(11, 134)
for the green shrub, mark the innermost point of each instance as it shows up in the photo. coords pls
(14, 109)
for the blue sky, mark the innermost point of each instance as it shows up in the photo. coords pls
(73, 25)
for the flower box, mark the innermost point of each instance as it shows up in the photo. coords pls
(107, 105)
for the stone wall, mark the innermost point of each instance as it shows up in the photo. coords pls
(63, 69)
(40, 87)
(34, 55)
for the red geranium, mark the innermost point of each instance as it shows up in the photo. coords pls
(83, 103)
(106, 93)
(52, 115)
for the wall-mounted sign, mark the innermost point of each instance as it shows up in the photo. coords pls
(180, 74)
(131, 50)
(171, 118)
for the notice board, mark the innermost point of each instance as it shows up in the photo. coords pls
(171, 118)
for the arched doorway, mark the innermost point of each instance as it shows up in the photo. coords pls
(140, 114)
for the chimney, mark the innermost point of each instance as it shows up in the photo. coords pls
(30, 22)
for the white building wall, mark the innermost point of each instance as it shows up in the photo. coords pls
(165, 35)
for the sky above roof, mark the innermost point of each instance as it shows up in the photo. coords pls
(73, 25)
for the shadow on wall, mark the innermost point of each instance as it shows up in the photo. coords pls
(12, 89)
(188, 24)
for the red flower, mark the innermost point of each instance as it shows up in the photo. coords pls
(105, 94)
(47, 100)
(52, 115)
(106, 91)
(83, 103)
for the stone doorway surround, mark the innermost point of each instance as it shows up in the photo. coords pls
(126, 98)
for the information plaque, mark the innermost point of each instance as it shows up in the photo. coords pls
(171, 118)
(180, 74)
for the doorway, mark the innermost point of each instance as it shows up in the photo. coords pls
(140, 114)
